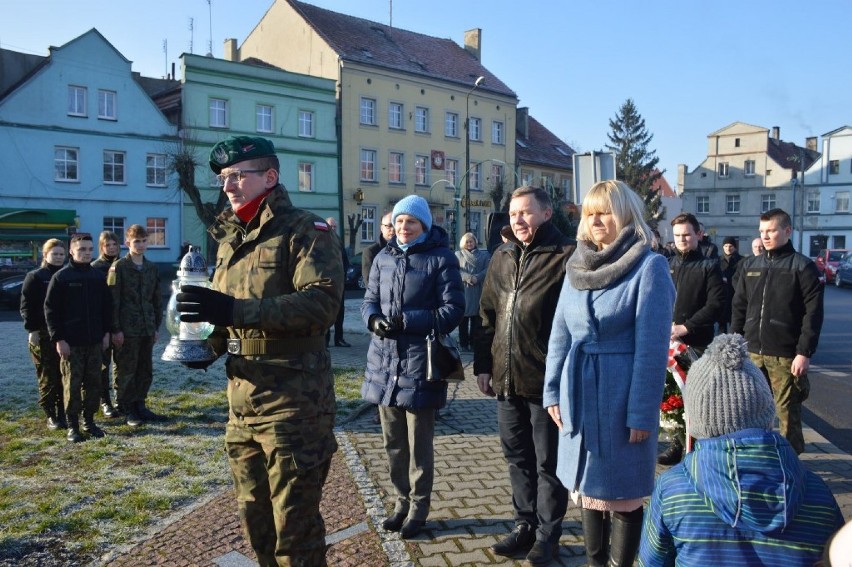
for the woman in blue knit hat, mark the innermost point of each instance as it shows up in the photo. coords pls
(415, 287)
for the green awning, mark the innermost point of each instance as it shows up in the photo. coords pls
(31, 224)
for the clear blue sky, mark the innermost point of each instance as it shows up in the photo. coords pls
(692, 67)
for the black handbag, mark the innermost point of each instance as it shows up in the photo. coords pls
(443, 359)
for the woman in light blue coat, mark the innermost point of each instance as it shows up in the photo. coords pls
(606, 367)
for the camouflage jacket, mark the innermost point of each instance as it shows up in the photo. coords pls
(137, 304)
(285, 271)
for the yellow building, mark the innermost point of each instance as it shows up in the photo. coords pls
(403, 98)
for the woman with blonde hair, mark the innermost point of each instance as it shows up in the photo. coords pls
(606, 368)
(473, 264)
(42, 349)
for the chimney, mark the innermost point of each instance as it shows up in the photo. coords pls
(473, 43)
(522, 121)
(811, 143)
(231, 51)
(776, 132)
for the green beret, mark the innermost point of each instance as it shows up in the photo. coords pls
(239, 148)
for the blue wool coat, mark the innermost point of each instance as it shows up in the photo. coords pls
(606, 367)
(423, 284)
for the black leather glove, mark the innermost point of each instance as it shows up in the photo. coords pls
(200, 304)
(199, 364)
(385, 327)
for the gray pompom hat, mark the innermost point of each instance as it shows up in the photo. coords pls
(725, 392)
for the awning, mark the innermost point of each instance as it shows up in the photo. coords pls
(30, 224)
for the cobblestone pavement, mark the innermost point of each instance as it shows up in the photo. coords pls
(471, 501)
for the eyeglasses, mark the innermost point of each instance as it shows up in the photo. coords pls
(235, 176)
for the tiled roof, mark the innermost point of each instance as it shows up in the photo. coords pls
(155, 87)
(17, 67)
(662, 187)
(787, 154)
(543, 147)
(363, 41)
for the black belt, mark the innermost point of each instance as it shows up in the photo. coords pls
(259, 347)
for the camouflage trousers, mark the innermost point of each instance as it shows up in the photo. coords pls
(789, 392)
(134, 370)
(105, 382)
(46, 361)
(277, 495)
(81, 379)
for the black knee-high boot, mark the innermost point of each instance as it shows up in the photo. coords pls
(626, 533)
(596, 526)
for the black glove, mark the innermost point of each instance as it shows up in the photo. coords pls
(199, 364)
(385, 326)
(200, 304)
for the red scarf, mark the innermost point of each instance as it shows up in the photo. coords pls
(249, 210)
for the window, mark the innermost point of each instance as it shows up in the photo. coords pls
(106, 105)
(155, 170)
(841, 202)
(306, 124)
(497, 135)
(475, 177)
(736, 142)
(421, 119)
(748, 168)
(368, 165)
(218, 113)
(368, 111)
(306, 177)
(767, 201)
(368, 224)
(421, 170)
(116, 225)
(839, 241)
(156, 231)
(812, 202)
(113, 167)
(263, 115)
(395, 167)
(451, 171)
(702, 204)
(65, 164)
(451, 125)
(76, 101)
(395, 114)
(732, 204)
(475, 224)
(496, 174)
(834, 167)
(527, 176)
(475, 126)
(723, 169)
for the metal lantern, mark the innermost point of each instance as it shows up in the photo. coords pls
(189, 340)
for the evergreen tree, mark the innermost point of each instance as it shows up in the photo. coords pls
(635, 163)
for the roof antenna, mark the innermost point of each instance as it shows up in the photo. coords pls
(391, 13)
(191, 33)
(210, 42)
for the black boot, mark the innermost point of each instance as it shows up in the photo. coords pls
(131, 414)
(89, 427)
(60, 416)
(52, 422)
(626, 533)
(147, 414)
(673, 454)
(107, 409)
(596, 527)
(74, 435)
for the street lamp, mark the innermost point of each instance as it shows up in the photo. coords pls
(476, 83)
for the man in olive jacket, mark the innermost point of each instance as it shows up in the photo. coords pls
(519, 298)
(276, 289)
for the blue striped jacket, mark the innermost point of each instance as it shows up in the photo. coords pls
(739, 499)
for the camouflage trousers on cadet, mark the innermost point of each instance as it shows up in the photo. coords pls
(279, 492)
(46, 361)
(81, 380)
(789, 392)
(106, 385)
(134, 370)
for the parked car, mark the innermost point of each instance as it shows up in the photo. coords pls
(354, 278)
(843, 273)
(827, 260)
(10, 291)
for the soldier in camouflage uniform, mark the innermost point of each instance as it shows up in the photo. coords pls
(77, 311)
(108, 247)
(42, 349)
(137, 311)
(277, 288)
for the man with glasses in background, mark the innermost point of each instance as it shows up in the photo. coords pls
(276, 289)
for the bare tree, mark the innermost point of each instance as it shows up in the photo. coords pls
(355, 222)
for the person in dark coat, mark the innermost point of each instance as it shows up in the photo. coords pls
(415, 288)
(728, 263)
(370, 252)
(108, 245)
(42, 349)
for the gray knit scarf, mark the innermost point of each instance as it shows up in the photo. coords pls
(590, 268)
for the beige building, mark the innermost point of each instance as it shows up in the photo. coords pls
(747, 172)
(403, 98)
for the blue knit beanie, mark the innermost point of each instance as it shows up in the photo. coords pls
(415, 206)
